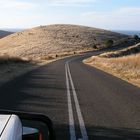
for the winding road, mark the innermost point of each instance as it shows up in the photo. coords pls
(83, 102)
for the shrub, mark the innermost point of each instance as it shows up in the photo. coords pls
(6, 59)
(94, 46)
(136, 37)
(109, 43)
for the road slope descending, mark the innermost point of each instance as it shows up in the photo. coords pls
(83, 102)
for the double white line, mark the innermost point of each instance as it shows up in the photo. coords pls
(69, 82)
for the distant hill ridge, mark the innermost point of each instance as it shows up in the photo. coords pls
(4, 33)
(55, 39)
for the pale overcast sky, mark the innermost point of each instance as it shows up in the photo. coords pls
(107, 14)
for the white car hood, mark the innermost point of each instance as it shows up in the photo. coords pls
(3, 121)
(10, 127)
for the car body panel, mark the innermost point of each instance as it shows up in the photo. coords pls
(11, 128)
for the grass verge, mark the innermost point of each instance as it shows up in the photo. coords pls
(125, 67)
(13, 66)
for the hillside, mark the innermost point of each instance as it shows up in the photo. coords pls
(124, 63)
(123, 52)
(4, 33)
(55, 39)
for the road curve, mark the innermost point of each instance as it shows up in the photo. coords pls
(83, 102)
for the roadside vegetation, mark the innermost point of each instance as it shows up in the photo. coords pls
(14, 66)
(109, 43)
(6, 59)
(124, 63)
(11, 67)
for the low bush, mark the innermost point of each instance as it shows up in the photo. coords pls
(109, 43)
(5, 59)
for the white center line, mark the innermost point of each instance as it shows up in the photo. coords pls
(71, 119)
(78, 110)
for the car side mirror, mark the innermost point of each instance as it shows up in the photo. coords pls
(25, 126)
(31, 134)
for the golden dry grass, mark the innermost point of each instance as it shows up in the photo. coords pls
(125, 67)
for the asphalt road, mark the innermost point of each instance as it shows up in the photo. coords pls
(84, 103)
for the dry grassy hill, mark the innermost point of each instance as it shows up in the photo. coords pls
(55, 39)
(4, 33)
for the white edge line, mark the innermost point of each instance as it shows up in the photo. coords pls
(70, 111)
